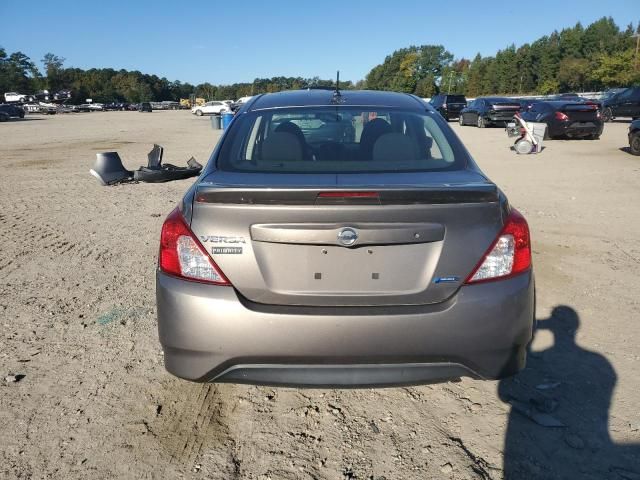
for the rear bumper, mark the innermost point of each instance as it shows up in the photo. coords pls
(450, 112)
(500, 117)
(209, 333)
(577, 129)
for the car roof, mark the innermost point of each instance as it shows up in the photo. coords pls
(318, 97)
(499, 99)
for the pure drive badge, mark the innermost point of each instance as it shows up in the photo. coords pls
(226, 250)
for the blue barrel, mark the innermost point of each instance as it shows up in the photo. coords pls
(226, 119)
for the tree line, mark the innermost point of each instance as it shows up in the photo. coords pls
(597, 57)
(575, 59)
(20, 74)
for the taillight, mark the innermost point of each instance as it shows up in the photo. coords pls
(348, 195)
(561, 116)
(509, 254)
(182, 255)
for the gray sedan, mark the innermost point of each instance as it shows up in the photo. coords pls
(343, 239)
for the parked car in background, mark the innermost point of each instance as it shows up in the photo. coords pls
(16, 97)
(525, 103)
(622, 104)
(145, 107)
(210, 108)
(235, 106)
(96, 106)
(48, 108)
(449, 105)
(12, 110)
(488, 111)
(634, 137)
(133, 107)
(85, 107)
(304, 258)
(567, 118)
(116, 106)
(611, 92)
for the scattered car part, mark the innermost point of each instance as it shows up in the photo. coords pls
(109, 170)
(167, 172)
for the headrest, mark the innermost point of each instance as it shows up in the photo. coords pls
(395, 147)
(281, 147)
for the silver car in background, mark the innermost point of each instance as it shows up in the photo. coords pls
(343, 239)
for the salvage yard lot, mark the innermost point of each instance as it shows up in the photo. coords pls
(77, 310)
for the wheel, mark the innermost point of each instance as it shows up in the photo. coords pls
(523, 146)
(607, 114)
(634, 143)
(595, 136)
(199, 113)
(461, 121)
(481, 123)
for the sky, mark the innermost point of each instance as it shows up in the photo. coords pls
(223, 42)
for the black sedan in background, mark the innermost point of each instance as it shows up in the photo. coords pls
(487, 111)
(567, 118)
(623, 104)
(12, 110)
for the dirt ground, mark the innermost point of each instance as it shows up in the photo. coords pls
(77, 311)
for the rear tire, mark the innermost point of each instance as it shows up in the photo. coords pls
(634, 143)
(199, 113)
(607, 114)
(481, 123)
(595, 136)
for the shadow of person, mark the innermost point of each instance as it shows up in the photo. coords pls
(558, 425)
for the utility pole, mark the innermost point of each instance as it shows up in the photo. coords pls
(450, 75)
(520, 86)
(637, 37)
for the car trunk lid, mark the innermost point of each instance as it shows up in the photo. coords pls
(581, 112)
(347, 239)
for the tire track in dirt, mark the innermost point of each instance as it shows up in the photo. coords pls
(198, 418)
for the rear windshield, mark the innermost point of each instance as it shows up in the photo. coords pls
(456, 99)
(337, 140)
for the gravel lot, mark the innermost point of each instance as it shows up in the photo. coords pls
(77, 311)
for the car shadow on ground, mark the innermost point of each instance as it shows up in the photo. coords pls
(26, 119)
(625, 150)
(558, 424)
